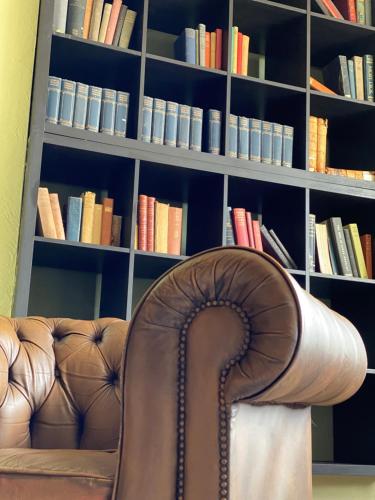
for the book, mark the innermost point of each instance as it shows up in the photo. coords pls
(148, 104)
(116, 230)
(250, 229)
(316, 85)
(243, 138)
(161, 227)
(119, 25)
(184, 46)
(96, 18)
(358, 71)
(313, 143)
(107, 215)
(60, 12)
(322, 248)
(150, 232)
(245, 54)
(183, 126)
(214, 131)
(336, 76)
(104, 22)
(368, 12)
(360, 11)
(93, 108)
(108, 110)
(321, 154)
(255, 138)
(234, 47)
(271, 247)
(352, 84)
(207, 49)
(73, 218)
(202, 44)
(113, 18)
(291, 262)
(87, 224)
(358, 252)
(239, 53)
(347, 9)
(336, 233)
(266, 149)
(196, 126)
(121, 114)
(68, 91)
(350, 248)
(229, 233)
(331, 251)
(368, 76)
(80, 106)
(158, 121)
(97, 225)
(277, 144)
(127, 29)
(233, 136)
(174, 230)
(53, 100)
(87, 18)
(287, 156)
(366, 243)
(312, 237)
(213, 50)
(219, 48)
(171, 114)
(196, 46)
(46, 223)
(75, 17)
(329, 8)
(240, 226)
(257, 235)
(142, 222)
(57, 217)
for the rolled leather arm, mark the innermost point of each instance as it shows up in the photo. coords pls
(227, 325)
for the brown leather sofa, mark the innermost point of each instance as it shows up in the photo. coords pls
(221, 362)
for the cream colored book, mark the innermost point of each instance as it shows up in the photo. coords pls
(323, 249)
(127, 29)
(105, 22)
(358, 71)
(97, 225)
(234, 48)
(313, 143)
(57, 217)
(88, 202)
(96, 18)
(161, 227)
(245, 54)
(46, 222)
(213, 50)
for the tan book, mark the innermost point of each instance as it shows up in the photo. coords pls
(213, 49)
(87, 18)
(88, 202)
(46, 223)
(161, 227)
(107, 215)
(234, 48)
(105, 21)
(174, 230)
(127, 29)
(96, 17)
(136, 238)
(97, 226)
(358, 72)
(323, 249)
(313, 143)
(116, 230)
(321, 157)
(245, 54)
(57, 217)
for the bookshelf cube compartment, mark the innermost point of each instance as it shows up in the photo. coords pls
(273, 55)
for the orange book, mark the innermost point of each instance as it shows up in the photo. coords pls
(315, 85)
(239, 53)
(142, 222)
(56, 212)
(87, 18)
(366, 243)
(208, 49)
(161, 227)
(313, 143)
(113, 18)
(174, 230)
(250, 229)
(150, 224)
(245, 54)
(322, 145)
(257, 236)
(107, 213)
(87, 223)
(97, 227)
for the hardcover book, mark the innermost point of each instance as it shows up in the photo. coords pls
(96, 18)
(312, 238)
(88, 203)
(266, 151)
(291, 262)
(68, 91)
(202, 44)
(185, 46)
(107, 214)
(250, 229)
(75, 17)
(127, 29)
(158, 121)
(219, 48)
(336, 233)
(142, 222)
(196, 126)
(351, 71)
(80, 106)
(255, 138)
(161, 227)
(60, 13)
(368, 76)
(150, 236)
(240, 226)
(322, 145)
(87, 18)
(214, 131)
(93, 108)
(97, 226)
(148, 104)
(287, 157)
(104, 22)
(57, 217)
(245, 54)
(233, 136)
(116, 230)
(171, 115)
(46, 223)
(347, 9)
(358, 252)
(336, 76)
(329, 8)
(174, 230)
(366, 242)
(349, 246)
(229, 233)
(53, 101)
(121, 114)
(243, 138)
(73, 220)
(183, 126)
(359, 83)
(322, 249)
(277, 144)
(313, 143)
(272, 248)
(119, 25)
(113, 18)
(107, 115)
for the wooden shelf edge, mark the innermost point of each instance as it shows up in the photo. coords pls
(77, 244)
(344, 22)
(339, 277)
(335, 469)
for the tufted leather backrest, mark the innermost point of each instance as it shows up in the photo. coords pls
(59, 382)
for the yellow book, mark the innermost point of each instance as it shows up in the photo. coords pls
(46, 223)
(96, 17)
(136, 238)
(234, 48)
(358, 252)
(105, 21)
(323, 249)
(321, 154)
(213, 49)
(358, 71)
(161, 227)
(88, 202)
(313, 143)
(245, 54)
(57, 218)
(127, 29)
(97, 225)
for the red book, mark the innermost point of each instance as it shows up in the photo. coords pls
(219, 48)
(239, 53)
(366, 243)
(257, 236)
(250, 231)
(208, 49)
(240, 227)
(174, 230)
(150, 243)
(347, 9)
(107, 213)
(142, 222)
(112, 23)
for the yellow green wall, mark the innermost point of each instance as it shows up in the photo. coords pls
(18, 26)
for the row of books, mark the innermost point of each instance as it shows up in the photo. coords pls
(362, 175)
(179, 125)
(240, 45)
(356, 11)
(109, 23)
(86, 221)
(259, 140)
(340, 249)
(245, 228)
(198, 46)
(159, 226)
(83, 106)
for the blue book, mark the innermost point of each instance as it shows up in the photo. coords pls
(183, 126)
(287, 160)
(68, 92)
(80, 106)
(266, 149)
(214, 131)
(243, 138)
(277, 143)
(255, 139)
(171, 115)
(368, 76)
(93, 108)
(53, 102)
(73, 220)
(158, 121)
(229, 233)
(108, 111)
(148, 104)
(185, 46)
(196, 127)
(351, 72)
(233, 135)
(121, 115)
(75, 17)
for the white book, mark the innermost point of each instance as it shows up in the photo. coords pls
(60, 13)
(202, 44)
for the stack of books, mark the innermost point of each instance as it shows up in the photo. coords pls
(356, 11)
(198, 46)
(240, 45)
(82, 106)
(86, 221)
(159, 226)
(109, 23)
(246, 229)
(340, 249)
(259, 140)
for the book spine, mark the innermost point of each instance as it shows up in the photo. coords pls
(214, 131)
(161, 227)
(288, 134)
(183, 126)
(266, 152)
(148, 104)
(352, 79)
(322, 249)
(245, 54)
(60, 12)
(322, 145)
(349, 246)
(255, 138)
(368, 66)
(344, 76)
(243, 138)
(189, 39)
(361, 11)
(234, 47)
(150, 236)
(87, 217)
(207, 48)
(174, 230)
(213, 50)
(97, 227)
(115, 12)
(121, 115)
(75, 17)
(53, 101)
(171, 115)
(46, 221)
(142, 222)
(105, 21)
(250, 229)
(80, 106)
(127, 29)
(277, 144)
(57, 218)
(107, 117)
(239, 53)
(271, 247)
(74, 214)
(107, 215)
(257, 235)
(202, 44)
(116, 230)
(93, 108)
(119, 25)
(68, 91)
(291, 262)
(337, 235)
(366, 242)
(196, 127)
(233, 136)
(229, 233)
(219, 48)
(87, 18)
(158, 121)
(358, 252)
(313, 143)
(96, 18)
(196, 46)
(358, 69)
(312, 238)
(368, 12)
(239, 219)
(332, 253)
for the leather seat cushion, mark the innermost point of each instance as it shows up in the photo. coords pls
(28, 474)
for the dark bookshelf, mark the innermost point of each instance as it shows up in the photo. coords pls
(63, 278)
